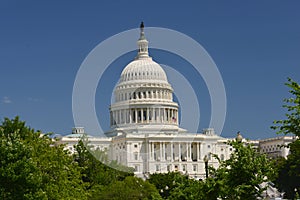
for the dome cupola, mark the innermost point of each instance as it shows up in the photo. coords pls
(143, 68)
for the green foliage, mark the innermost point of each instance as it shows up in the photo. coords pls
(188, 189)
(168, 182)
(290, 125)
(33, 167)
(130, 188)
(288, 176)
(176, 186)
(95, 168)
(240, 176)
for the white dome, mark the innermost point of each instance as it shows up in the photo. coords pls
(143, 69)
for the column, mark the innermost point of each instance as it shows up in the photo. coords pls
(179, 151)
(172, 151)
(173, 116)
(160, 150)
(147, 114)
(164, 151)
(190, 151)
(153, 115)
(120, 116)
(130, 116)
(110, 117)
(124, 116)
(187, 150)
(117, 116)
(142, 115)
(136, 115)
(201, 154)
(152, 150)
(149, 151)
(113, 117)
(159, 119)
(198, 156)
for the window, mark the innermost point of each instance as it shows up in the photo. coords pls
(136, 168)
(209, 156)
(208, 146)
(194, 168)
(176, 167)
(135, 146)
(183, 167)
(157, 167)
(222, 157)
(168, 168)
(135, 156)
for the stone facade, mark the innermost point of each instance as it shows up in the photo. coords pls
(276, 147)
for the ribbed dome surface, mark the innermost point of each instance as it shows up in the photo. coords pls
(143, 69)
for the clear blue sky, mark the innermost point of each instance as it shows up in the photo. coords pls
(255, 44)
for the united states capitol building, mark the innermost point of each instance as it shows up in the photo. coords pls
(145, 132)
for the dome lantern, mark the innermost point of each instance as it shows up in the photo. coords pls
(142, 44)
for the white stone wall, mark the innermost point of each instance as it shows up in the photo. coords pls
(276, 147)
(160, 153)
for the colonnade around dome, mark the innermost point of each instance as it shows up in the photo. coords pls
(147, 115)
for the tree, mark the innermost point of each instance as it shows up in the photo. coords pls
(288, 179)
(290, 125)
(187, 189)
(107, 179)
(241, 176)
(166, 183)
(34, 167)
(174, 185)
(130, 188)
(95, 168)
